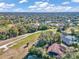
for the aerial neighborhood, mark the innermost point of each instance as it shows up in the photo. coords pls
(39, 36)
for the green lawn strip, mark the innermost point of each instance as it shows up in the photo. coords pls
(30, 38)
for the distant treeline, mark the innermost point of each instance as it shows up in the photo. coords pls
(13, 26)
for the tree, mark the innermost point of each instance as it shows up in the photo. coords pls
(36, 51)
(3, 36)
(72, 31)
(43, 27)
(39, 53)
(13, 32)
(57, 37)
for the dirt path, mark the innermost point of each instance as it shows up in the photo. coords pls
(16, 53)
(19, 53)
(2, 42)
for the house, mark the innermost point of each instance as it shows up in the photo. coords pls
(68, 39)
(56, 50)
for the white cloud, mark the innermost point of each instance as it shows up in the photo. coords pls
(76, 9)
(23, 1)
(75, 1)
(6, 5)
(40, 6)
(65, 3)
(19, 10)
(47, 7)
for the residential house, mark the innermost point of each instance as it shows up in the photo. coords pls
(68, 39)
(56, 50)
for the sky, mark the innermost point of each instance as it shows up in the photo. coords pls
(39, 5)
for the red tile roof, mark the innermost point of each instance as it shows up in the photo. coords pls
(57, 48)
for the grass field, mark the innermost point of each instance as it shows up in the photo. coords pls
(29, 39)
(32, 38)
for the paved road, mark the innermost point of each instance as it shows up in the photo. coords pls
(12, 43)
(2, 42)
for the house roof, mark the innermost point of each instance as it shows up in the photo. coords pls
(57, 48)
(70, 37)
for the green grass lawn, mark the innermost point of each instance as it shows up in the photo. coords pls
(29, 39)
